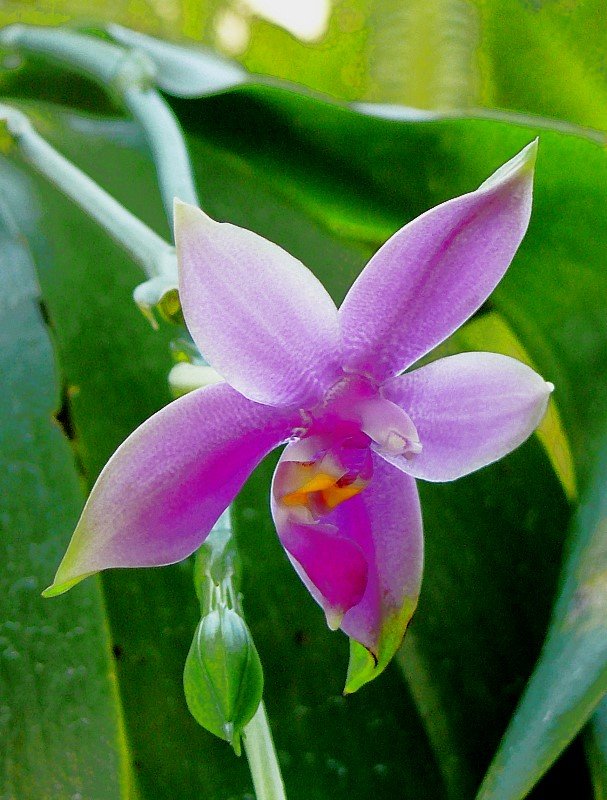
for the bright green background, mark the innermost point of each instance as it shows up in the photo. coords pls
(535, 56)
(90, 685)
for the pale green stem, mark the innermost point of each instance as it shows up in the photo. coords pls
(167, 145)
(263, 763)
(149, 250)
(129, 75)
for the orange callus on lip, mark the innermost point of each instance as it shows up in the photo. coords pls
(326, 487)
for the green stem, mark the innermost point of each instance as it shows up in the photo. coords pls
(261, 754)
(129, 75)
(167, 145)
(153, 253)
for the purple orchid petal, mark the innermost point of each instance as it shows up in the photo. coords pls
(434, 273)
(258, 316)
(363, 562)
(385, 520)
(469, 410)
(333, 567)
(164, 488)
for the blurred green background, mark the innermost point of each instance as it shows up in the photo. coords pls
(330, 186)
(534, 56)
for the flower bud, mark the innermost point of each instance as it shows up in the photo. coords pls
(159, 294)
(223, 678)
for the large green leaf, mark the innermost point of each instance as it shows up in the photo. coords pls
(330, 186)
(544, 59)
(539, 58)
(60, 720)
(118, 367)
(486, 645)
(571, 675)
(553, 297)
(540, 298)
(535, 58)
(595, 735)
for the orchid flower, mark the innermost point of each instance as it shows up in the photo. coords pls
(332, 385)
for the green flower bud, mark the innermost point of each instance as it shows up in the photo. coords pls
(223, 678)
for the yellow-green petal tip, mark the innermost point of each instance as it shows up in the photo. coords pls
(56, 589)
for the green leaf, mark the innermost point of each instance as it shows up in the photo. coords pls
(223, 677)
(431, 54)
(116, 366)
(595, 739)
(560, 74)
(571, 675)
(476, 635)
(61, 725)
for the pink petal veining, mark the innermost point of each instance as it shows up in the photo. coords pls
(434, 273)
(258, 316)
(469, 410)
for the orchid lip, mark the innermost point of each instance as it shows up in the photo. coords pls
(309, 490)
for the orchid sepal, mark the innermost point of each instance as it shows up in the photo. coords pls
(163, 490)
(436, 271)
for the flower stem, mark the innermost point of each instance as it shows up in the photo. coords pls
(149, 250)
(263, 763)
(129, 75)
(167, 144)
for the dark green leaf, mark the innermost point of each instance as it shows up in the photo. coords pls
(61, 724)
(595, 739)
(501, 529)
(571, 675)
